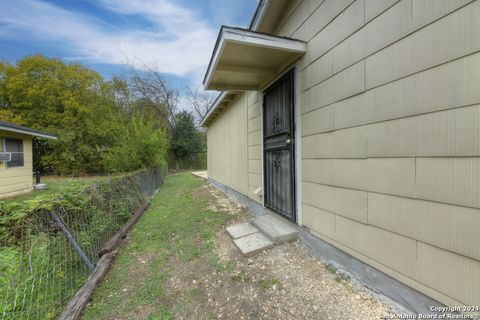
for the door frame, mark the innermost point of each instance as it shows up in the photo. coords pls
(297, 150)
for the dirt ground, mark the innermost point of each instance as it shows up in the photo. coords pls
(286, 282)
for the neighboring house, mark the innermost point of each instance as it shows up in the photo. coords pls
(360, 121)
(16, 165)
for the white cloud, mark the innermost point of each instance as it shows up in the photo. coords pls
(178, 41)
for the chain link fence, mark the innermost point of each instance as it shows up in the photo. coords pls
(47, 256)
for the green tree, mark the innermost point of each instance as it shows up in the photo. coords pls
(5, 113)
(143, 144)
(91, 116)
(187, 142)
(68, 100)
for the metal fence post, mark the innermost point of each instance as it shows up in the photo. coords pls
(72, 241)
(45, 267)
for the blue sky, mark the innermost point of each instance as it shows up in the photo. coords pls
(175, 35)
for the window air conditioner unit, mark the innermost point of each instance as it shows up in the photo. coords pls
(5, 157)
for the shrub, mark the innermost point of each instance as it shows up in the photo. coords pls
(142, 145)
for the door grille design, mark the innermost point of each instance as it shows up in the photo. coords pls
(278, 147)
(276, 123)
(276, 160)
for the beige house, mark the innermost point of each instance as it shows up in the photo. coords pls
(16, 165)
(359, 120)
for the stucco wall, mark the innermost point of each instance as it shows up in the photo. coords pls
(17, 180)
(390, 108)
(227, 146)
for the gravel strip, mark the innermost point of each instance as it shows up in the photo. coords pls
(286, 282)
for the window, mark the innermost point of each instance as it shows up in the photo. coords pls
(15, 147)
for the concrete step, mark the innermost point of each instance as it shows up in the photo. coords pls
(253, 243)
(240, 230)
(276, 228)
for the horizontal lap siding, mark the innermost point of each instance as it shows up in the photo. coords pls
(254, 139)
(390, 249)
(455, 275)
(320, 18)
(255, 153)
(254, 145)
(383, 175)
(320, 220)
(16, 172)
(22, 185)
(351, 143)
(345, 202)
(454, 132)
(17, 180)
(343, 85)
(21, 176)
(228, 146)
(446, 226)
(449, 180)
(376, 7)
(451, 85)
(320, 120)
(335, 31)
(452, 37)
(299, 8)
(390, 117)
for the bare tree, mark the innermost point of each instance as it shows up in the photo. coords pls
(200, 101)
(148, 85)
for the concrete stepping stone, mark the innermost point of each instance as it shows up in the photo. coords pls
(201, 174)
(276, 228)
(253, 243)
(240, 230)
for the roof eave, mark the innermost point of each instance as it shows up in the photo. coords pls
(257, 19)
(217, 101)
(259, 14)
(27, 132)
(250, 38)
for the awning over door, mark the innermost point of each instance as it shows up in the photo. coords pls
(246, 60)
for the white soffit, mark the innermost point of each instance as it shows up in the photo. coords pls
(245, 60)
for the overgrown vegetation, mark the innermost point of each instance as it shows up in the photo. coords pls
(103, 126)
(142, 145)
(56, 186)
(39, 269)
(69, 194)
(188, 144)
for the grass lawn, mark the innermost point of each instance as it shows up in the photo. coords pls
(178, 263)
(177, 229)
